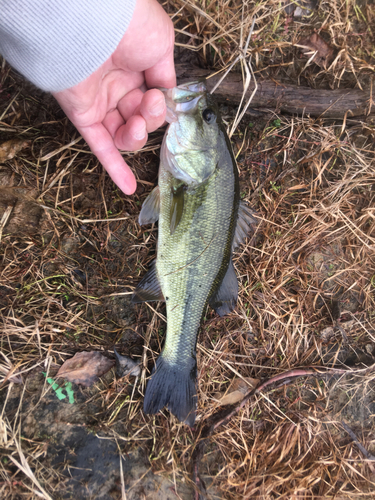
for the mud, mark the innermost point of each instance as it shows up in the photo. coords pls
(83, 453)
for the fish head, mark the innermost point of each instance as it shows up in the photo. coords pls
(190, 150)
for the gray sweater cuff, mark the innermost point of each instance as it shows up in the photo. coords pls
(58, 43)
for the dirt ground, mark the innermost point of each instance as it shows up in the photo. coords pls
(72, 252)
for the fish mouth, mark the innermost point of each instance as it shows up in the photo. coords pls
(182, 99)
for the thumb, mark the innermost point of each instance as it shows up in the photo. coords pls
(163, 73)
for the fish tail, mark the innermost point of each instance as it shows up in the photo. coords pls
(173, 385)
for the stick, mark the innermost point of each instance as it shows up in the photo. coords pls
(290, 99)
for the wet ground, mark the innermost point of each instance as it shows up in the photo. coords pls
(84, 455)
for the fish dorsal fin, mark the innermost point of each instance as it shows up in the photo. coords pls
(224, 300)
(177, 206)
(150, 208)
(148, 289)
(246, 224)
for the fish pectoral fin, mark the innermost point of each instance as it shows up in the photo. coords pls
(246, 224)
(148, 289)
(177, 206)
(224, 300)
(151, 207)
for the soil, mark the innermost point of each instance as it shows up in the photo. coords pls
(84, 455)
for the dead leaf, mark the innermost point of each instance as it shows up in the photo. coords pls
(9, 149)
(85, 368)
(299, 186)
(126, 365)
(302, 8)
(8, 373)
(327, 334)
(315, 43)
(237, 390)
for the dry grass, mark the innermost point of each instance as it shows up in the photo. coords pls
(72, 252)
(216, 29)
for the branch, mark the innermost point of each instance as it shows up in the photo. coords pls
(285, 98)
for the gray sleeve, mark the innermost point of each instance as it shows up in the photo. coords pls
(58, 43)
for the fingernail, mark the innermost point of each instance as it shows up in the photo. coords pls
(157, 108)
(139, 133)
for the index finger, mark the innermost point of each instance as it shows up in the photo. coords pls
(103, 147)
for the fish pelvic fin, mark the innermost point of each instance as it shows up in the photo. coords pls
(224, 299)
(173, 386)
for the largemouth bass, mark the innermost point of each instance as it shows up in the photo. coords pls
(201, 219)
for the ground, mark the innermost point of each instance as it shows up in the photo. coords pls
(72, 253)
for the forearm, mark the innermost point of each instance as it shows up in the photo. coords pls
(58, 43)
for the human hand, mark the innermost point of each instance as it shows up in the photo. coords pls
(111, 108)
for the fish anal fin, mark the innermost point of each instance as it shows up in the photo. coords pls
(177, 206)
(224, 300)
(246, 224)
(148, 289)
(173, 386)
(151, 207)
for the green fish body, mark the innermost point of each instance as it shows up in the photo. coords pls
(197, 204)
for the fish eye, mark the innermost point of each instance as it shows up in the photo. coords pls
(208, 115)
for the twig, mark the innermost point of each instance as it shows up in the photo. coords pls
(249, 74)
(355, 439)
(4, 219)
(123, 493)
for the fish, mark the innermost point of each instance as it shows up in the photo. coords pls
(201, 219)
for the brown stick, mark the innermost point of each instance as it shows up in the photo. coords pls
(291, 99)
(356, 441)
